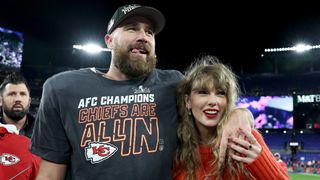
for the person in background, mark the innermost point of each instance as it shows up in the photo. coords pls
(206, 100)
(280, 161)
(16, 161)
(114, 124)
(15, 103)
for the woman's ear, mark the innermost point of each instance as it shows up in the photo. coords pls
(186, 101)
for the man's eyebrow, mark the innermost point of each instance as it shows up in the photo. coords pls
(130, 23)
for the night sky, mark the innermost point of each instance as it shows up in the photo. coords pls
(237, 33)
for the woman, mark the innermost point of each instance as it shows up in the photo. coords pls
(206, 100)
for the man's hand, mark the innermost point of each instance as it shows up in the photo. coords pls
(238, 118)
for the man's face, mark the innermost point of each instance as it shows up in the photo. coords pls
(133, 44)
(15, 101)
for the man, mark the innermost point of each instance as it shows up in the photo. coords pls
(282, 163)
(16, 161)
(15, 102)
(119, 124)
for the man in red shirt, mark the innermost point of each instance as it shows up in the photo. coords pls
(16, 161)
(282, 163)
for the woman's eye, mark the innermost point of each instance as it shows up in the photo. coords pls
(221, 93)
(202, 92)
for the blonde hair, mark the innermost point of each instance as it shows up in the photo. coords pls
(206, 72)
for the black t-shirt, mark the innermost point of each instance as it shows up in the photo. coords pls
(105, 129)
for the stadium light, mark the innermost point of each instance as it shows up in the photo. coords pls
(91, 48)
(298, 48)
(301, 48)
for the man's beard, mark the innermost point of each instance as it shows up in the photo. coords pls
(133, 68)
(14, 114)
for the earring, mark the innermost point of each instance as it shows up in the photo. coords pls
(189, 112)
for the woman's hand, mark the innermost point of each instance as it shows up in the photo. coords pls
(238, 118)
(245, 149)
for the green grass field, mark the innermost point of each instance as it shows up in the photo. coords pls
(295, 176)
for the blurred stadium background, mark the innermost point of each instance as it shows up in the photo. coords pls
(281, 87)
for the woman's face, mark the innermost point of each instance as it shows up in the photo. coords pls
(207, 106)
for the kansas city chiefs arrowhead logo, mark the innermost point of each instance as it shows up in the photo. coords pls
(8, 159)
(97, 152)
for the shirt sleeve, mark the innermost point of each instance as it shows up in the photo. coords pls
(265, 165)
(35, 166)
(49, 139)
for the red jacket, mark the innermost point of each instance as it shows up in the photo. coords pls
(264, 166)
(16, 161)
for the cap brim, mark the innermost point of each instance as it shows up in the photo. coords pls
(155, 16)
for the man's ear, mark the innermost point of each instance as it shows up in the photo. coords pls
(108, 40)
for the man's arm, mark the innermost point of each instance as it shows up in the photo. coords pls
(49, 170)
(238, 118)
